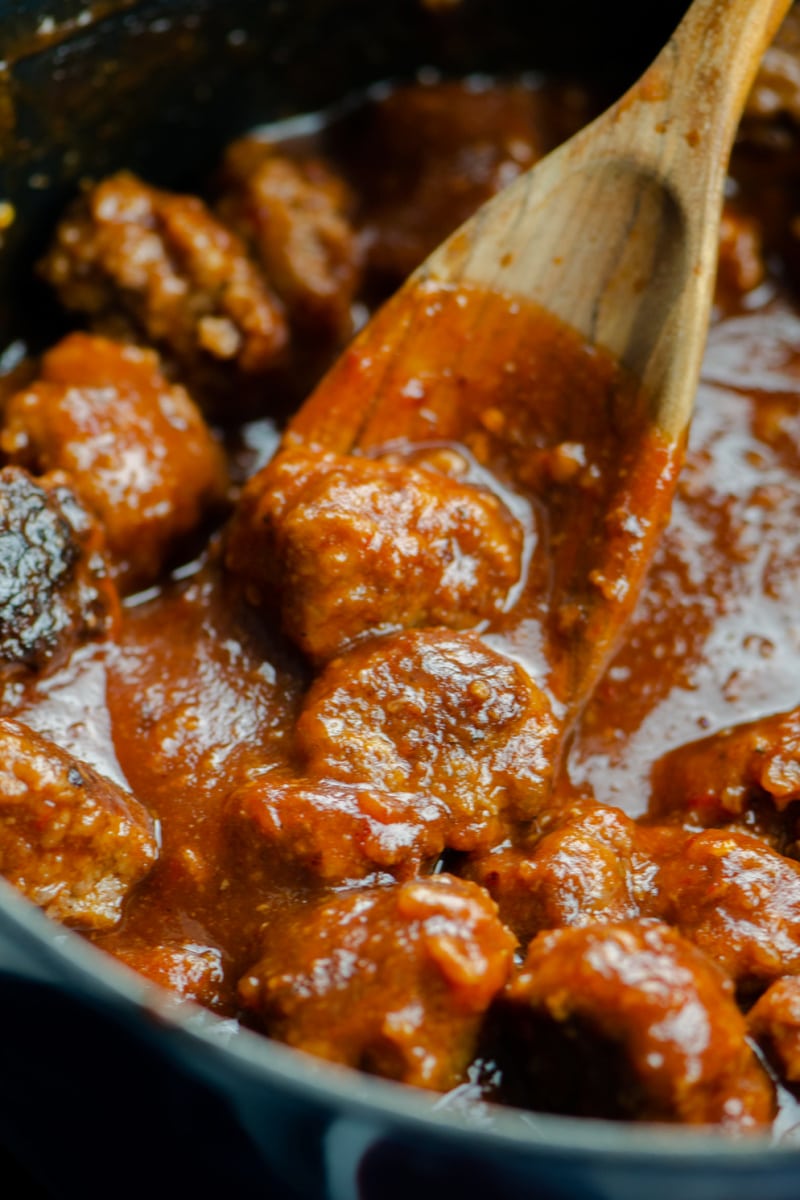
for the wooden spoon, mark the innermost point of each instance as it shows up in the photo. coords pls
(615, 236)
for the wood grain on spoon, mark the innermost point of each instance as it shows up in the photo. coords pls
(572, 310)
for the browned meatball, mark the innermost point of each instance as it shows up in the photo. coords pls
(585, 867)
(630, 1020)
(392, 980)
(191, 971)
(55, 586)
(774, 1021)
(159, 266)
(70, 840)
(355, 546)
(294, 217)
(738, 900)
(336, 832)
(746, 777)
(136, 448)
(438, 714)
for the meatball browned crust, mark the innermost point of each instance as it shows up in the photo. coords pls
(630, 1019)
(439, 714)
(151, 265)
(355, 546)
(72, 841)
(135, 448)
(393, 980)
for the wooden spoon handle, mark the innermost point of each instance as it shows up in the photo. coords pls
(616, 232)
(694, 93)
(675, 129)
(680, 119)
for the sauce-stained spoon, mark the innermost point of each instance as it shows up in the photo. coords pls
(559, 333)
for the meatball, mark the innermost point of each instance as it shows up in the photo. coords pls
(392, 980)
(294, 217)
(72, 841)
(739, 901)
(189, 970)
(630, 1020)
(135, 448)
(584, 868)
(745, 777)
(355, 546)
(774, 1021)
(336, 832)
(438, 714)
(150, 264)
(55, 589)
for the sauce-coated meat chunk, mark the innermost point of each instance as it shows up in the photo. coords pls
(55, 587)
(774, 1022)
(151, 264)
(722, 778)
(393, 980)
(630, 1020)
(72, 841)
(355, 546)
(135, 448)
(336, 832)
(581, 867)
(738, 900)
(439, 714)
(294, 217)
(189, 970)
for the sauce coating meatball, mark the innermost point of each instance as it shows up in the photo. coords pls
(146, 263)
(71, 841)
(631, 1020)
(746, 777)
(774, 1021)
(436, 713)
(336, 832)
(294, 217)
(735, 898)
(55, 585)
(356, 546)
(584, 866)
(191, 971)
(738, 900)
(135, 448)
(393, 980)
